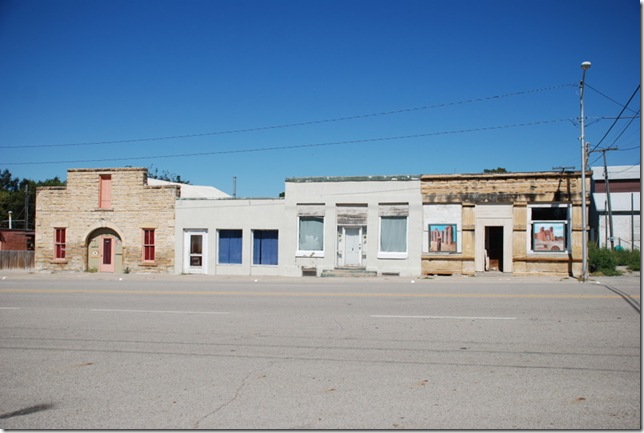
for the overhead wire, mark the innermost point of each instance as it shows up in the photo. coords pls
(292, 125)
(294, 146)
(617, 119)
(605, 96)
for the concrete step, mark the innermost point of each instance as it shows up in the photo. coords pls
(349, 273)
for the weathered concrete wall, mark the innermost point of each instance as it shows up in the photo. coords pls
(134, 206)
(332, 197)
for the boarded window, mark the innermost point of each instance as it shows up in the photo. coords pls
(105, 191)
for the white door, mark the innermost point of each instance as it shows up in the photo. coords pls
(195, 251)
(352, 246)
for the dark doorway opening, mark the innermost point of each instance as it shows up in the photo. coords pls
(494, 248)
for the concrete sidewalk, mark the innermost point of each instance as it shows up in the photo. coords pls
(628, 278)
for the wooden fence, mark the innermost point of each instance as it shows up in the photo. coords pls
(16, 260)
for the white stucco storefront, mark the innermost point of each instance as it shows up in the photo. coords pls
(362, 223)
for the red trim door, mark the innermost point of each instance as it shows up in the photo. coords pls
(107, 252)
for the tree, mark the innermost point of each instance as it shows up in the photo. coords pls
(154, 173)
(19, 196)
(495, 170)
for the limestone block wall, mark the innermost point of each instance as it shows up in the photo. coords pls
(520, 190)
(134, 206)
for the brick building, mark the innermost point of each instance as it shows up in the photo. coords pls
(106, 220)
(519, 223)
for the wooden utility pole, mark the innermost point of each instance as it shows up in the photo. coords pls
(611, 236)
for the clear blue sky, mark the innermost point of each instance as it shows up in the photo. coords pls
(269, 89)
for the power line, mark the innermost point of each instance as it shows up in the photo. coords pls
(623, 130)
(295, 146)
(292, 125)
(618, 117)
(607, 97)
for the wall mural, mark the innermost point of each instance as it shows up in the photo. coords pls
(442, 238)
(549, 236)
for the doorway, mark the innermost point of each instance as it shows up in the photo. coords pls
(106, 254)
(104, 251)
(195, 251)
(350, 246)
(494, 248)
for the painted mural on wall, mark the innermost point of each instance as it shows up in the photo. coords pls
(550, 236)
(442, 238)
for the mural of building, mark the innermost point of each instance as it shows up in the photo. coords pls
(519, 223)
(625, 186)
(106, 220)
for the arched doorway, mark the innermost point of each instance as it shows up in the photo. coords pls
(104, 251)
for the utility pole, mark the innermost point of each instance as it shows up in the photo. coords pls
(27, 207)
(611, 236)
(584, 159)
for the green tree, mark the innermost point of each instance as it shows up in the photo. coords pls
(19, 196)
(495, 170)
(154, 173)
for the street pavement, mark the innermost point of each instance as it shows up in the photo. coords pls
(97, 351)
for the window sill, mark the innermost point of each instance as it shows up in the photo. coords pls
(548, 253)
(149, 264)
(104, 209)
(59, 261)
(395, 256)
(306, 254)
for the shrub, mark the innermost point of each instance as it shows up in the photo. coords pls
(635, 261)
(602, 260)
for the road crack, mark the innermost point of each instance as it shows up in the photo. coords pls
(244, 382)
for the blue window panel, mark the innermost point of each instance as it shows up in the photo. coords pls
(230, 246)
(265, 247)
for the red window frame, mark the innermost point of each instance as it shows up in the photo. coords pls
(105, 191)
(60, 239)
(148, 245)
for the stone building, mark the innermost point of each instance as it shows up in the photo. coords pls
(519, 223)
(106, 220)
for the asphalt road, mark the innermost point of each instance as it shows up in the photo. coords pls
(88, 351)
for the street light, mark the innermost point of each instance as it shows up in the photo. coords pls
(584, 239)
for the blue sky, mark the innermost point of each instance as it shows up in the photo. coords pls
(263, 90)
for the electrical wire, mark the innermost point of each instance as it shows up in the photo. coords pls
(617, 118)
(623, 130)
(292, 125)
(605, 96)
(294, 146)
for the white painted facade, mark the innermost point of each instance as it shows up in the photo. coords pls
(200, 223)
(353, 210)
(348, 216)
(625, 208)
